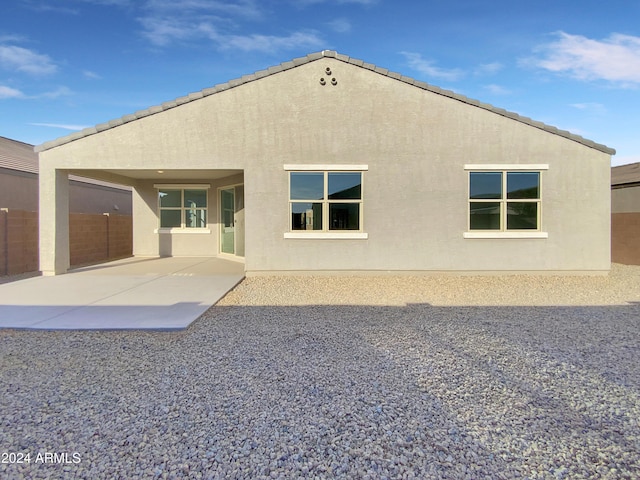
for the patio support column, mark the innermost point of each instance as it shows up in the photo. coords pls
(54, 220)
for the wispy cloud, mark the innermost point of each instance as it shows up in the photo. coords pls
(63, 126)
(8, 92)
(304, 3)
(24, 60)
(167, 22)
(488, 69)
(243, 8)
(615, 59)
(591, 107)
(497, 89)
(428, 68)
(91, 75)
(57, 93)
(269, 43)
(340, 25)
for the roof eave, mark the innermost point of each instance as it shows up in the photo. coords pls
(301, 61)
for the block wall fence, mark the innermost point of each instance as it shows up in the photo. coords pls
(94, 238)
(625, 238)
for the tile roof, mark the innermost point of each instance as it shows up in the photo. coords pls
(626, 174)
(301, 61)
(19, 156)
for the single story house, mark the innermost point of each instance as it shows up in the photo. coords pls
(329, 164)
(625, 214)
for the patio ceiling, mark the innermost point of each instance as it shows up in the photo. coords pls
(128, 177)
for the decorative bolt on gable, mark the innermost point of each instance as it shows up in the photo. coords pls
(323, 82)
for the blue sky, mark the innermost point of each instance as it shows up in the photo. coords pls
(69, 64)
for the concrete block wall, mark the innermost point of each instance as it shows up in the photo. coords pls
(18, 241)
(120, 236)
(88, 238)
(99, 238)
(93, 239)
(3, 241)
(625, 238)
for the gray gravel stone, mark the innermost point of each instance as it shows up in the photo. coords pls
(343, 377)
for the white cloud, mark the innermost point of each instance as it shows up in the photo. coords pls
(163, 31)
(8, 92)
(25, 60)
(590, 107)
(497, 89)
(91, 75)
(488, 68)
(304, 3)
(242, 8)
(168, 21)
(340, 25)
(64, 126)
(615, 59)
(269, 43)
(427, 67)
(57, 93)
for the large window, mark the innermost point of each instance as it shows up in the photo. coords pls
(325, 201)
(182, 207)
(504, 201)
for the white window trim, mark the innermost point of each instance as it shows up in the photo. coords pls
(513, 234)
(183, 186)
(504, 169)
(328, 234)
(506, 166)
(325, 168)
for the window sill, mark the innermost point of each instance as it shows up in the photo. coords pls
(190, 231)
(327, 235)
(505, 235)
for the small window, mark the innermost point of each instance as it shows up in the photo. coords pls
(504, 201)
(182, 208)
(325, 201)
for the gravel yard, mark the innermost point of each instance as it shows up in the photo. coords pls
(442, 377)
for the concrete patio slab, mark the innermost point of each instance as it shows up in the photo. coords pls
(134, 293)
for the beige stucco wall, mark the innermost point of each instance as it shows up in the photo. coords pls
(415, 144)
(147, 241)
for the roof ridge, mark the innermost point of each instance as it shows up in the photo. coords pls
(301, 61)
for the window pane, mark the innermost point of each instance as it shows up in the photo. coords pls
(485, 185)
(344, 216)
(170, 198)
(345, 185)
(522, 215)
(306, 216)
(195, 218)
(307, 185)
(195, 198)
(484, 216)
(523, 185)
(170, 218)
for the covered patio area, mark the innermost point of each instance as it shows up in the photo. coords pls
(134, 293)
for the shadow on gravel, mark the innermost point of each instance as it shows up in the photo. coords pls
(333, 392)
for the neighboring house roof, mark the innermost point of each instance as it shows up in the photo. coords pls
(301, 61)
(625, 175)
(21, 157)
